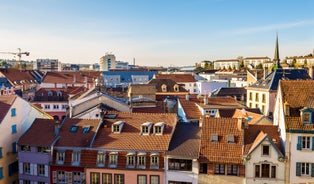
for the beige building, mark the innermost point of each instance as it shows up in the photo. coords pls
(107, 62)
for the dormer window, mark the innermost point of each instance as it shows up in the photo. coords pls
(50, 93)
(130, 160)
(117, 127)
(176, 87)
(230, 139)
(159, 128)
(214, 138)
(145, 128)
(164, 88)
(113, 159)
(306, 115)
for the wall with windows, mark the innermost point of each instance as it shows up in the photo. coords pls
(301, 158)
(264, 166)
(261, 100)
(94, 175)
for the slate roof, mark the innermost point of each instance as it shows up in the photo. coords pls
(17, 77)
(77, 138)
(130, 137)
(185, 141)
(41, 133)
(272, 80)
(221, 151)
(71, 77)
(231, 91)
(169, 83)
(5, 104)
(178, 78)
(253, 136)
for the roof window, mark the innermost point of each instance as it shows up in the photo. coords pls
(117, 127)
(145, 128)
(230, 139)
(73, 128)
(214, 138)
(86, 129)
(159, 128)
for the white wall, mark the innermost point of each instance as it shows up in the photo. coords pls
(183, 176)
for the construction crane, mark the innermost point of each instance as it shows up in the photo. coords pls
(18, 54)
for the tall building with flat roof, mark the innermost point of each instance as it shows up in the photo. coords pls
(107, 62)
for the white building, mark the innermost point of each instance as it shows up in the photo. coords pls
(47, 65)
(107, 62)
(227, 64)
(255, 61)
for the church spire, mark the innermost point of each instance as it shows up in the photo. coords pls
(276, 56)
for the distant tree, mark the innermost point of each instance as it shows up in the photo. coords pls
(206, 66)
(242, 64)
(259, 66)
(305, 63)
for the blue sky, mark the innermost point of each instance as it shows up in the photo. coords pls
(155, 33)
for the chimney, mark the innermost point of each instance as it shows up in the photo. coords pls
(74, 78)
(205, 100)
(242, 123)
(265, 72)
(187, 97)
(57, 128)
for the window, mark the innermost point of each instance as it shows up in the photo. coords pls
(141, 161)
(117, 126)
(74, 128)
(214, 138)
(305, 143)
(263, 108)
(86, 129)
(141, 179)
(64, 106)
(265, 171)
(43, 149)
(306, 117)
(13, 112)
(145, 130)
(0, 152)
(130, 160)
(176, 87)
(230, 138)
(26, 181)
(154, 161)
(164, 88)
(265, 150)
(219, 168)
(55, 106)
(100, 158)
(113, 157)
(76, 177)
(180, 164)
(13, 129)
(61, 177)
(263, 98)
(106, 178)
(232, 170)
(95, 178)
(159, 128)
(14, 147)
(26, 168)
(256, 97)
(304, 169)
(250, 96)
(60, 157)
(25, 148)
(154, 179)
(119, 179)
(41, 170)
(76, 158)
(47, 106)
(1, 172)
(13, 168)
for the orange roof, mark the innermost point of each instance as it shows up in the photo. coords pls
(251, 116)
(221, 151)
(41, 133)
(77, 138)
(190, 108)
(5, 104)
(71, 77)
(178, 78)
(298, 93)
(17, 77)
(220, 103)
(130, 137)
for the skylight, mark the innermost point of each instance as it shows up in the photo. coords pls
(86, 129)
(73, 128)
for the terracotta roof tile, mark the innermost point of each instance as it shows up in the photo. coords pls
(252, 117)
(179, 78)
(130, 137)
(16, 76)
(5, 104)
(168, 82)
(190, 108)
(41, 133)
(77, 138)
(148, 110)
(221, 151)
(252, 133)
(70, 77)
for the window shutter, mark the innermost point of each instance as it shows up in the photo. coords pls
(69, 180)
(298, 169)
(46, 170)
(299, 143)
(83, 176)
(312, 143)
(21, 168)
(54, 177)
(35, 169)
(312, 169)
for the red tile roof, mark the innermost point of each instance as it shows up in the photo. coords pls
(71, 77)
(148, 110)
(16, 76)
(252, 133)
(221, 151)
(5, 104)
(178, 78)
(130, 137)
(41, 133)
(254, 117)
(77, 138)
(190, 108)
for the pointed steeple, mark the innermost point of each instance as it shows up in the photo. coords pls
(276, 56)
